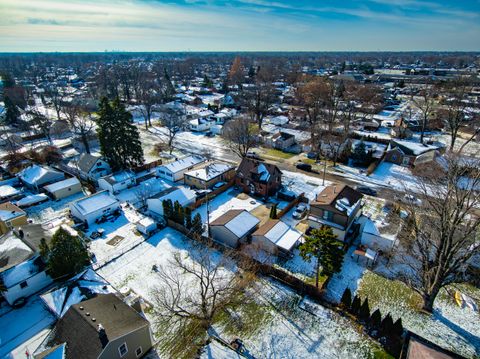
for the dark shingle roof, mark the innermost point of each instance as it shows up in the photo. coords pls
(226, 217)
(330, 194)
(78, 329)
(87, 161)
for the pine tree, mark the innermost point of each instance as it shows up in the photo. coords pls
(376, 319)
(364, 311)
(44, 250)
(67, 255)
(354, 309)
(119, 138)
(178, 215)
(167, 208)
(273, 211)
(387, 326)
(346, 301)
(197, 225)
(188, 217)
(12, 113)
(398, 327)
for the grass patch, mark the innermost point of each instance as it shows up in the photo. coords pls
(271, 152)
(382, 292)
(321, 280)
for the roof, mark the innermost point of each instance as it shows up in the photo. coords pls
(183, 164)
(342, 197)
(62, 184)
(94, 202)
(237, 221)
(35, 174)
(7, 191)
(32, 235)
(87, 161)
(119, 177)
(9, 211)
(412, 148)
(181, 194)
(79, 327)
(210, 171)
(56, 352)
(13, 251)
(279, 233)
(256, 170)
(417, 347)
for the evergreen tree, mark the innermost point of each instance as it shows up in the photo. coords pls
(197, 225)
(355, 308)
(361, 156)
(12, 113)
(167, 208)
(386, 327)
(273, 211)
(376, 319)
(178, 216)
(188, 217)
(170, 90)
(398, 327)
(66, 255)
(323, 244)
(364, 311)
(207, 82)
(346, 301)
(119, 138)
(44, 250)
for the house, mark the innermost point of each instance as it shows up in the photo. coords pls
(9, 193)
(37, 176)
(276, 237)
(409, 153)
(183, 195)
(22, 270)
(417, 347)
(92, 167)
(65, 188)
(209, 175)
(283, 140)
(233, 227)
(88, 209)
(174, 171)
(103, 327)
(258, 178)
(337, 206)
(200, 124)
(11, 216)
(117, 182)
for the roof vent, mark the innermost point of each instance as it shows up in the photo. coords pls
(87, 314)
(94, 319)
(81, 307)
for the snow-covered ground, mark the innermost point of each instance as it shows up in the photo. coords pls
(51, 209)
(151, 187)
(395, 176)
(19, 326)
(299, 183)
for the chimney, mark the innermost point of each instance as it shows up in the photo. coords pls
(102, 335)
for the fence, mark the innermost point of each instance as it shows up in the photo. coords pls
(212, 194)
(290, 206)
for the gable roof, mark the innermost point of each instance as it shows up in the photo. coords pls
(279, 233)
(9, 211)
(209, 171)
(62, 184)
(78, 328)
(262, 171)
(87, 161)
(237, 221)
(94, 202)
(13, 251)
(183, 163)
(411, 148)
(39, 174)
(342, 197)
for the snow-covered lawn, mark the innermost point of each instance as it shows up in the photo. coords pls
(299, 183)
(230, 199)
(51, 209)
(20, 325)
(151, 187)
(398, 177)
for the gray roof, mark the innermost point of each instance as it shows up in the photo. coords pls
(79, 326)
(13, 251)
(87, 161)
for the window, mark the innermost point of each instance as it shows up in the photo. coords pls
(122, 349)
(138, 352)
(327, 215)
(24, 284)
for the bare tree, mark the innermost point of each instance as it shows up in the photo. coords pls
(241, 135)
(56, 98)
(42, 122)
(143, 192)
(425, 101)
(196, 289)
(174, 120)
(310, 95)
(80, 122)
(439, 236)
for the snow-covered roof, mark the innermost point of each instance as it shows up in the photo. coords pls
(283, 235)
(181, 194)
(119, 177)
(7, 191)
(19, 273)
(416, 148)
(94, 202)
(263, 172)
(183, 163)
(239, 222)
(210, 171)
(35, 174)
(62, 184)
(14, 251)
(32, 199)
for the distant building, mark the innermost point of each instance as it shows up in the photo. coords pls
(174, 171)
(117, 182)
(35, 176)
(183, 195)
(92, 167)
(65, 188)
(103, 327)
(409, 153)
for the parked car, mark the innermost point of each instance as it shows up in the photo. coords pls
(409, 199)
(366, 190)
(254, 155)
(300, 211)
(304, 167)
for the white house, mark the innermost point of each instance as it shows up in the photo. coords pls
(92, 167)
(174, 171)
(233, 227)
(89, 209)
(200, 124)
(183, 195)
(37, 176)
(22, 269)
(276, 237)
(117, 182)
(64, 188)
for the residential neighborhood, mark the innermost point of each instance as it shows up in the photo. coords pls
(239, 204)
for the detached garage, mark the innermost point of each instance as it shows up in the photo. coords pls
(65, 188)
(233, 227)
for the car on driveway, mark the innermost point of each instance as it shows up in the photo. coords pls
(304, 167)
(300, 211)
(366, 190)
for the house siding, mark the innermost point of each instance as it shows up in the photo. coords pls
(16, 222)
(138, 338)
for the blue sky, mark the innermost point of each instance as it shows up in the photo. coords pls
(239, 25)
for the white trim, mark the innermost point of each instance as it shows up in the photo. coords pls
(126, 348)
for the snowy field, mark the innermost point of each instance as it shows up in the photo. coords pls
(20, 325)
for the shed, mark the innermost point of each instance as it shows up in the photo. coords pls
(64, 188)
(233, 227)
(89, 209)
